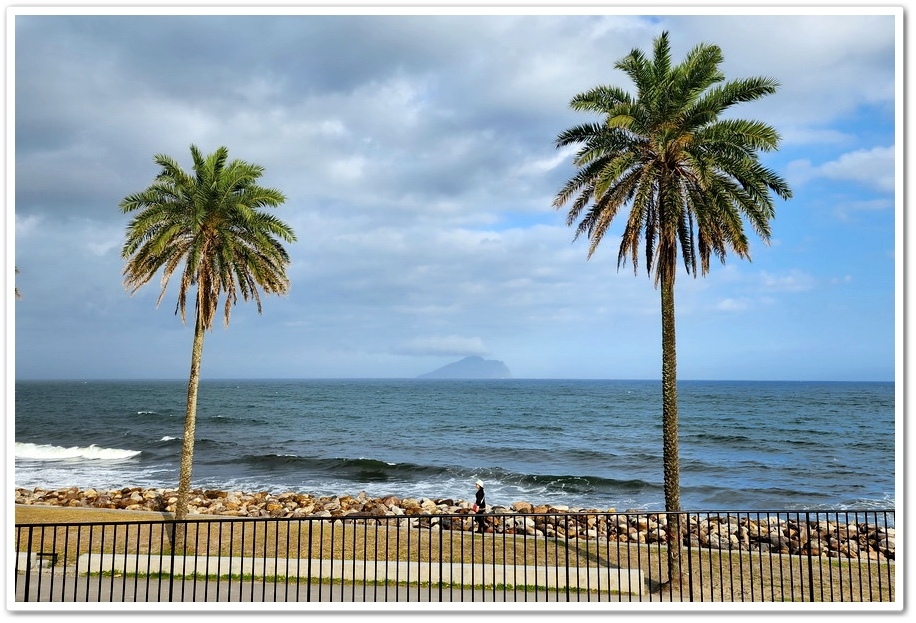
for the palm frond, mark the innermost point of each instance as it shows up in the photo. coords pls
(689, 179)
(210, 226)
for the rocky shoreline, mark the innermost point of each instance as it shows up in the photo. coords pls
(785, 533)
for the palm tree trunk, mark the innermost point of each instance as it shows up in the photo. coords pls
(190, 421)
(669, 430)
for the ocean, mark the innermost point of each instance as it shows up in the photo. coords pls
(584, 443)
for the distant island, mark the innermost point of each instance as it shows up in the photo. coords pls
(471, 368)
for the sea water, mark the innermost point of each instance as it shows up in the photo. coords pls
(582, 443)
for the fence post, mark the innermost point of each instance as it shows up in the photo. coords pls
(810, 561)
(689, 558)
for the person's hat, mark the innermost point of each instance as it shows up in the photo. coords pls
(479, 483)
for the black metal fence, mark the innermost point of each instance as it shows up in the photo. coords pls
(773, 556)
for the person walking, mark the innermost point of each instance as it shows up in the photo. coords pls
(480, 506)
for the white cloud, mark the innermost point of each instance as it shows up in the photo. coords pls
(792, 281)
(447, 346)
(732, 305)
(873, 168)
(28, 225)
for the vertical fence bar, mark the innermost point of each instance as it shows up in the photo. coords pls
(397, 568)
(816, 547)
(308, 586)
(387, 554)
(461, 557)
(344, 526)
(253, 549)
(808, 568)
(442, 558)
(612, 531)
(219, 556)
(566, 552)
(376, 522)
(38, 561)
(576, 527)
(162, 537)
(769, 558)
(27, 584)
(505, 567)
(232, 530)
(555, 520)
(867, 546)
(66, 558)
(242, 553)
(277, 573)
(890, 584)
(726, 552)
(76, 582)
(492, 557)
(873, 553)
(294, 522)
(54, 558)
(410, 526)
(184, 554)
(137, 558)
(365, 530)
(89, 565)
(731, 555)
(336, 525)
(795, 560)
(839, 570)
(266, 546)
(194, 552)
(125, 571)
(858, 558)
(689, 550)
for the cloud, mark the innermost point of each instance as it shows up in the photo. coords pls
(419, 166)
(873, 168)
(732, 305)
(792, 281)
(443, 346)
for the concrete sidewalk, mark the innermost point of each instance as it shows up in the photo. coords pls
(315, 580)
(112, 593)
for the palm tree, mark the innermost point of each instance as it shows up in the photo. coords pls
(211, 222)
(689, 180)
(16, 288)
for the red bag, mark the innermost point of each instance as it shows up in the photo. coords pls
(475, 508)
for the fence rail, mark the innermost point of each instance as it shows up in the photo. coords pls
(772, 556)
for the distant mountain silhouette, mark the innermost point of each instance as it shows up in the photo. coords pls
(471, 368)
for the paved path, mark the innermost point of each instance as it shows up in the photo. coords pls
(44, 588)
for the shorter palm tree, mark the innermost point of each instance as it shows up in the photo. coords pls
(211, 222)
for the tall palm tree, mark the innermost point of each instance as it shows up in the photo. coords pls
(211, 222)
(16, 288)
(689, 180)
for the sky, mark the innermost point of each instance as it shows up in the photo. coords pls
(416, 150)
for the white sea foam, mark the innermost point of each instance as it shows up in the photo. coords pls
(43, 452)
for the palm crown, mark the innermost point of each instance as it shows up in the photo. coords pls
(212, 221)
(689, 177)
